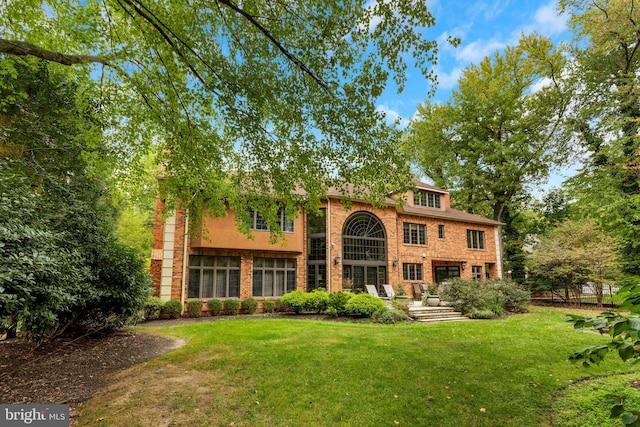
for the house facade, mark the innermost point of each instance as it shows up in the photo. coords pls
(424, 241)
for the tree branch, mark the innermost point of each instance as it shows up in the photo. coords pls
(17, 47)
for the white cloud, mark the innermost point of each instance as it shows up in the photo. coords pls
(476, 51)
(448, 80)
(392, 116)
(548, 22)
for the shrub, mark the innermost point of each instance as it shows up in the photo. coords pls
(194, 308)
(338, 300)
(400, 304)
(389, 317)
(249, 305)
(231, 307)
(363, 305)
(317, 300)
(280, 307)
(172, 309)
(331, 311)
(268, 306)
(215, 306)
(152, 308)
(516, 299)
(481, 314)
(294, 301)
(496, 296)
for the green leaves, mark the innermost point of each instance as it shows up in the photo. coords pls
(496, 136)
(236, 95)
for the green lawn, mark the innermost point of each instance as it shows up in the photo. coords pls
(313, 373)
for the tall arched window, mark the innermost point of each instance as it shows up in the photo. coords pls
(364, 252)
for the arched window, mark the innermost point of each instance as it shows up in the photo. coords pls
(364, 238)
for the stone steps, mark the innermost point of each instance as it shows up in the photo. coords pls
(435, 314)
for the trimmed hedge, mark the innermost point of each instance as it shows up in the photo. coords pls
(152, 308)
(172, 309)
(294, 301)
(194, 308)
(316, 301)
(476, 298)
(249, 305)
(215, 306)
(338, 301)
(364, 305)
(231, 307)
(268, 306)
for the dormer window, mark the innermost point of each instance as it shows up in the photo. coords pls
(427, 199)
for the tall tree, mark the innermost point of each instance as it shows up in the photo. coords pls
(606, 115)
(61, 267)
(500, 133)
(278, 92)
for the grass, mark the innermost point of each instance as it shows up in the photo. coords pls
(304, 372)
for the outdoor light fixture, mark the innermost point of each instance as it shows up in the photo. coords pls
(464, 265)
(336, 261)
(395, 262)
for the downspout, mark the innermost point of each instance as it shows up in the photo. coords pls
(184, 257)
(328, 245)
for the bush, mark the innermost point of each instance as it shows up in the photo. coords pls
(389, 317)
(268, 306)
(496, 296)
(152, 308)
(294, 301)
(215, 306)
(194, 308)
(400, 304)
(317, 300)
(231, 307)
(516, 298)
(363, 305)
(481, 314)
(249, 306)
(338, 300)
(280, 307)
(172, 309)
(331, 311)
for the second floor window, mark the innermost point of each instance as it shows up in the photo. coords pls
(424, 198)
(440, 231)
(475, 239)
(414, 234)
(256, 222)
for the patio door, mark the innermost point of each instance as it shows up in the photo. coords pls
(356, 277)
(446, 272)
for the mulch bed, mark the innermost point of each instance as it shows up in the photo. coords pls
(71, 371)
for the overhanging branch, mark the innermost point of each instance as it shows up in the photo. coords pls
(17, 47)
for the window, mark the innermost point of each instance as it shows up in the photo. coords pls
(414, 234)
(256, 222)
(476, 272)
(363, 238)
(412, 271)
(316, 250)
(273, 277)
(445, 273)
(425, 198)
(214, 277)
(475, 239)
(440, 231)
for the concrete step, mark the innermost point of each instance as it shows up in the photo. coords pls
(428, 314)
(442, 319)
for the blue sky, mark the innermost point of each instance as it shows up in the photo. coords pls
(484, 26)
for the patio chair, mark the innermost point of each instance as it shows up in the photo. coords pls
(418, 291)
(388, 289)
(371, 290)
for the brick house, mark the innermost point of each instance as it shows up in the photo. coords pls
(424, 241)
